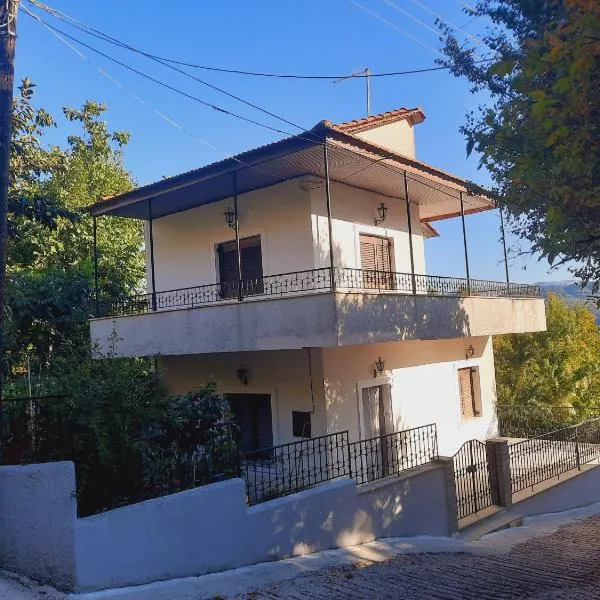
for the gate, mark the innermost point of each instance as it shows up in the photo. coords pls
(472, 479)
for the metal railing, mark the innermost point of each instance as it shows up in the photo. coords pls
(551, 454)
(289, 468)
(390, 454)
(307, 282)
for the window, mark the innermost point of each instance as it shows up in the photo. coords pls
(301, 424)
(376, 262)
(252, 272)
(470, 400)
(252, 414)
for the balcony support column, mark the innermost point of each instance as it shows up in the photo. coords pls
(237, 238)
(464, 231)
(504, 248)
(410, 237)
(151, 240)
(96, 292)
(329, 224)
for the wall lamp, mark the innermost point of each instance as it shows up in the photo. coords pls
(470, 353)
(382, 210)
(229, 215)
(242, 375)
(379, 367)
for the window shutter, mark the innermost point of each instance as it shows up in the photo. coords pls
(376, 256)
(467, 395)
(252, 272)
(368, 260)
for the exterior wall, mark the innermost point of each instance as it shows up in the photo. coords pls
(37, 522)
(399, 137)
(424, 387)
(285, 375)
(185, 243)
(353, 212)
(317, 320)
(210, 528)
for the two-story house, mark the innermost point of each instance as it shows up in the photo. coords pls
(294, 276)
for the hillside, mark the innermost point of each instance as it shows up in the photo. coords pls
(571, 292)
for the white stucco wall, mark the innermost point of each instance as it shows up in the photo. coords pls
(423, 376)
(399, 137)
(37, 522)
(284, 375)
(211, 529)
(353, 212)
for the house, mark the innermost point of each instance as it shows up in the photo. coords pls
(294, 276)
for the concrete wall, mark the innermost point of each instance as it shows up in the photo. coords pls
(353, 213)
(37, 522)
(317, 321)
(210, 528)
(399, 137)
(424, 387)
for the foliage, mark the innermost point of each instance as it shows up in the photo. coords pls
(554, 369)
(538, 135)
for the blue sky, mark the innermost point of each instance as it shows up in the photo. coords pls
(312, 36)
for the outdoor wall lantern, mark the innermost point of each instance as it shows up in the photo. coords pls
(382, 210)
(379, 367)
(470, 353)
(229, 215)
(242, 375)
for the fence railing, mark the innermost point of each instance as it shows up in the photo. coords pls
(293, 467)
(390, 454)
(551, 454)
(307, 282)
(523, 421)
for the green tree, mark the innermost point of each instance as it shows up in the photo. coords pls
(559, 367)
(538, 134)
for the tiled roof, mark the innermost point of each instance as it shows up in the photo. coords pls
(414, 115)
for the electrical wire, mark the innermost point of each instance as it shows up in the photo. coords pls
(108, 38)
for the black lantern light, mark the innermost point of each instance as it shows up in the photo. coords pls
(229, 215)
(470, 353)
(379, 366)
(382, 210)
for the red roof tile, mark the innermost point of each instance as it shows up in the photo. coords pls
(413, 115)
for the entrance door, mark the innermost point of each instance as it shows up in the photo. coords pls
(252, 414)
(376, 262)
(377, 423)
(252, 271)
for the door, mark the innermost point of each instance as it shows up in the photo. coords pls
(252, 271)
(252, 414)
(377, 424)
(376, 262)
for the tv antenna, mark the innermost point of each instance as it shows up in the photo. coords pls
(366, 74)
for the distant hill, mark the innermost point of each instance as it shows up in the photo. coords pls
(570, 291)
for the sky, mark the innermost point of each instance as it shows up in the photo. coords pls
(171, 134)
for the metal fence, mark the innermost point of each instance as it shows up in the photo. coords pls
(390, 454)
(289, 468)
(551, 454)
(523, 421)
(310, 281)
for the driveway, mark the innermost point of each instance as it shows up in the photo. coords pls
(562, 565)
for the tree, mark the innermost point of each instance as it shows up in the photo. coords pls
(539, 133)
(559, 367)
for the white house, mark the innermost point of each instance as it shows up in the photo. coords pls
(294, 276)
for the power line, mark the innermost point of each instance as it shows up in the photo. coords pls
(393, 26)
(412, 17)
(55, 12)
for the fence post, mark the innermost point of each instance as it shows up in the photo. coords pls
(577, 456)
(499, 465)
(349, 455)
(451, 501)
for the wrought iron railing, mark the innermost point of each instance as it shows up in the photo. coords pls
(551, 454)
(307, 282)
(390, 454)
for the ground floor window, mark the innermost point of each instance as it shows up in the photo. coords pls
(252, 414)
(470, 398)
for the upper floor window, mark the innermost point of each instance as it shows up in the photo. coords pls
(376, 262)
(252, 271)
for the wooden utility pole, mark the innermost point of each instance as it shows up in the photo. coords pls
(8, 39)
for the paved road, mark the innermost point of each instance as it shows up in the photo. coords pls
(564, 565)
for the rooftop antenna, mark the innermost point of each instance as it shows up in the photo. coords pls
(366, 73)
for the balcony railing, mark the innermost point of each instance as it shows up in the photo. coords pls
(308, 282)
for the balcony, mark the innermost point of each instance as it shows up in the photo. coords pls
(316, 308)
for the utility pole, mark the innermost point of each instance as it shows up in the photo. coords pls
(366, 74)
(8, 40)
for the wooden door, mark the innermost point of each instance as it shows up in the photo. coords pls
(252, 271)
(376, 262)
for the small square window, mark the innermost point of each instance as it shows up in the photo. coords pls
(301, 424)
